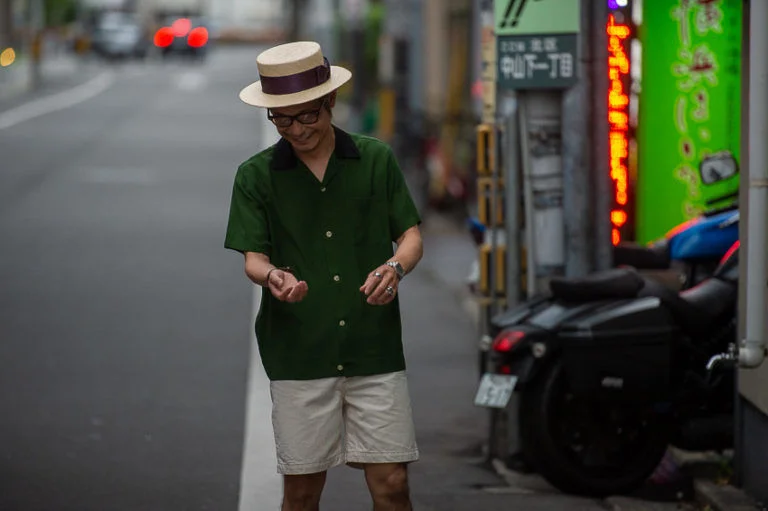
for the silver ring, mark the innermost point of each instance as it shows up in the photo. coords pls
(377, 275)
(390, 290)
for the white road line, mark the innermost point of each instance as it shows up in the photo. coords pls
(56, 102)
(260, 485)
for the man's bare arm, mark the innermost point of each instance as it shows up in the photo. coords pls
(410, 249)
(257, 266)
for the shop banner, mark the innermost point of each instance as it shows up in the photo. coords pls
(689, 120)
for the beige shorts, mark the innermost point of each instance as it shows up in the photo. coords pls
(323, 423)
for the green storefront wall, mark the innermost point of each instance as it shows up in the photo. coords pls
(689, 109)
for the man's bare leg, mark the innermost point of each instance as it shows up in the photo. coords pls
(302, 492)
(388, 484)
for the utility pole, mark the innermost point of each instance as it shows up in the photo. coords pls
(36, 23)
(577, 119)
(6, 23)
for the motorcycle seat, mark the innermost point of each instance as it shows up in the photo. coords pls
(604, 285)
(697, 308)
(694, 309)
(641, 257)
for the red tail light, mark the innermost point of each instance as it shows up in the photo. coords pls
(198, 37)
(164, 37)
(507, 340)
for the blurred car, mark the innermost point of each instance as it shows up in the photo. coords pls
(183, 36)
(119, 35)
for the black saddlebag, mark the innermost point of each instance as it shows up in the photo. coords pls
(623, 349)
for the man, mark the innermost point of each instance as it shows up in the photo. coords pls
(315, 216)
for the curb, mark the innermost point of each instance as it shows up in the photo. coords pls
(630, 504)
(535, 484)
(724, 497)
(709, 496)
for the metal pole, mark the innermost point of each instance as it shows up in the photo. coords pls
(6, 24)
(738, 424)
(530, 246)
(511, 162)
(752, 350)
(601, 181)
(576, 142)
(35, 15)
(509, 109)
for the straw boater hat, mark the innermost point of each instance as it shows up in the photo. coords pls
(292, 74)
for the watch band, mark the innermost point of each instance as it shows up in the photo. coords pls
(399, 270)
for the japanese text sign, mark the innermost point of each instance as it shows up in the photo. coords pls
(689, 110)
(537, 62)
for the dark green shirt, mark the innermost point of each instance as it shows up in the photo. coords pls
(332, 233)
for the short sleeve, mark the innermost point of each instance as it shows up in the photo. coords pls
(248, 226)
(402, 211)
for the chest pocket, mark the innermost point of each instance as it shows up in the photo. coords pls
(371, 221)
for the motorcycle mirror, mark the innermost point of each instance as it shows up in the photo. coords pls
(718, 167)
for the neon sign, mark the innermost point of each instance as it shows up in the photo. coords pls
(618, 121)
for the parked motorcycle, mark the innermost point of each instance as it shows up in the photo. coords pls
(611, 369)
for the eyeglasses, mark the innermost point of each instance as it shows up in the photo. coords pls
(307, 117)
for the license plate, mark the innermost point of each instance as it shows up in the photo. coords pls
(495, 390)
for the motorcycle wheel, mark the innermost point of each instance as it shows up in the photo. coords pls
(585, 447)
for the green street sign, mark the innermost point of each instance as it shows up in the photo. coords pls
(524, 17)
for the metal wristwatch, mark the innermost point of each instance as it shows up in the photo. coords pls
(398, 269)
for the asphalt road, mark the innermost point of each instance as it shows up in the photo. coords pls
(127, 378)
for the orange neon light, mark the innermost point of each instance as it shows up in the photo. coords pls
(618, 217)
(618, 121)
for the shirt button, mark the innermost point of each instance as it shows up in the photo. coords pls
(328, 234)
(342, 323)
(336, 278)
(340, 367)
(322, 190)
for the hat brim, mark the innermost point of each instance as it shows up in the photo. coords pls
(254, 96)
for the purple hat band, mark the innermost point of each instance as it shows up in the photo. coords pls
(290, 84)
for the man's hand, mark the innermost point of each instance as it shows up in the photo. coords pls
(381, 285)
(285, 287)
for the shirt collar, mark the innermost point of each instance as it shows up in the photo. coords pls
(284, 158)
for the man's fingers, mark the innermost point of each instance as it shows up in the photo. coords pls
(370, 283)
(283, 294)
(285, 288)
(301, 291)
(380, 295)
(375, 280)
(277, 278)
(297, 292)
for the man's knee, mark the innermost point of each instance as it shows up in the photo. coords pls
(302, 492)
(389, 484)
